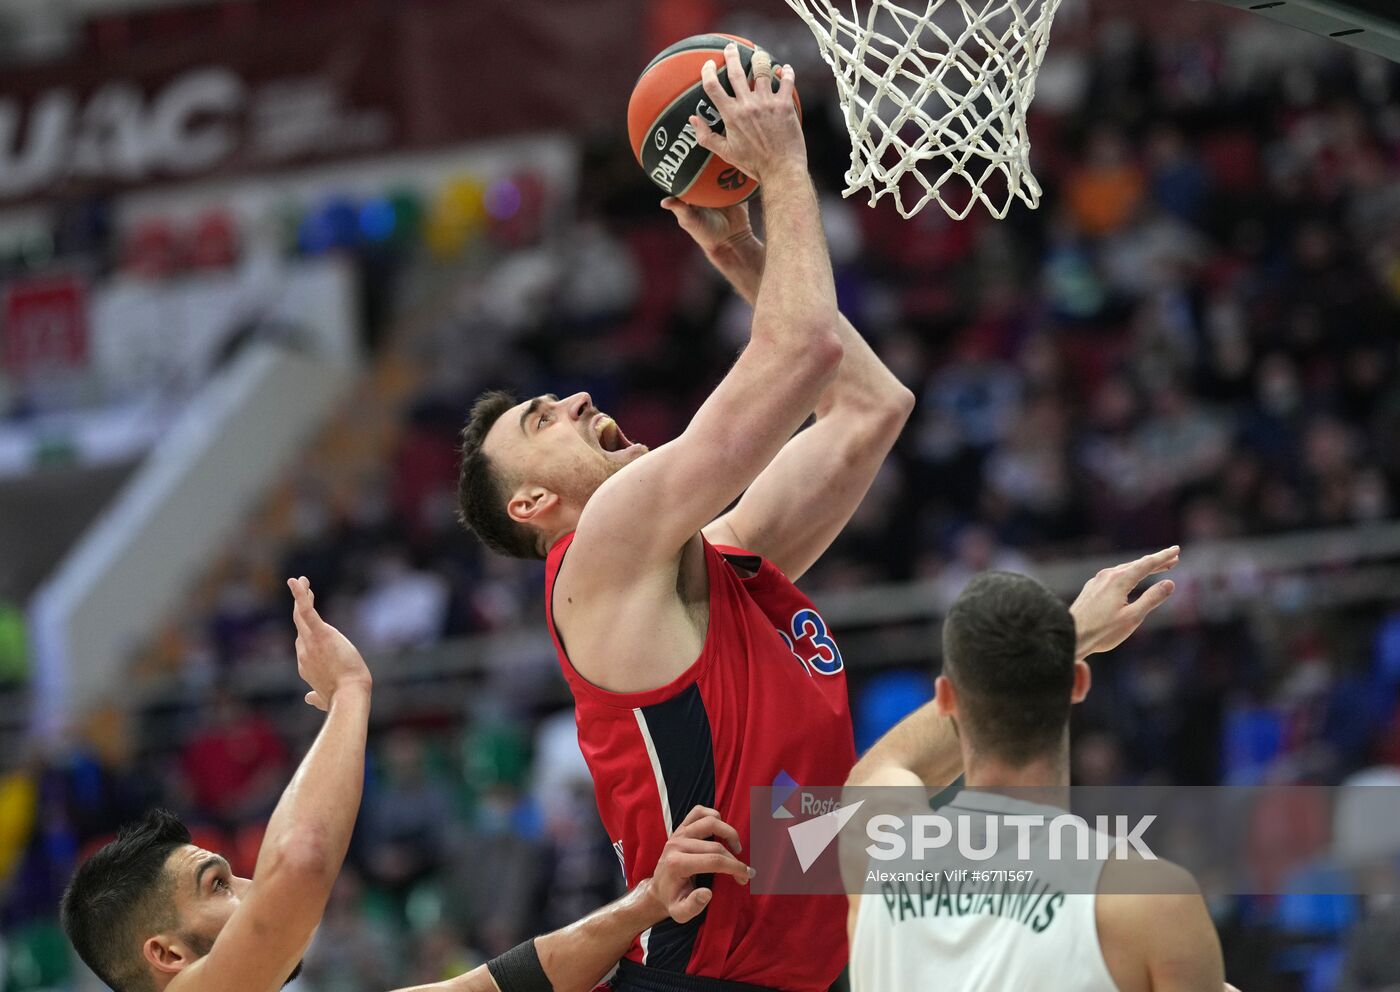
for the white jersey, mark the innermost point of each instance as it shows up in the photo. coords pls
(957, 935)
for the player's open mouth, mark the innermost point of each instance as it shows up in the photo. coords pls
(610, 436)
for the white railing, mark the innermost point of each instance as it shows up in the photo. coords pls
(1236, 572)
(1252, 579)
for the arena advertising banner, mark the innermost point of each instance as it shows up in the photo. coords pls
(43, 326)
(1019, 851)
(269, 95)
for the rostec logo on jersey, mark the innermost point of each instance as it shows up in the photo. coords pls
(784, 785)
(808, 804)
(811, 644)
(810, 838)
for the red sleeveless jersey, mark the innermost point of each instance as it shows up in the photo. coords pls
(764, 703)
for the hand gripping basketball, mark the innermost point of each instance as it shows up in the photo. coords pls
(762, 132)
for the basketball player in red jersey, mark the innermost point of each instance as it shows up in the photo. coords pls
(698, 669)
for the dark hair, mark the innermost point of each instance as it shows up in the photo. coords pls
(120, 896)
(1008, 647)
(481, 492)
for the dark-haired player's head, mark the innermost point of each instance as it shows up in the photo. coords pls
(529, 467)
(149, 904)
(1009, 671)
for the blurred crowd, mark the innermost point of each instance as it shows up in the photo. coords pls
(1196, 337)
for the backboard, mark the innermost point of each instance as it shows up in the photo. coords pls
(1370, 25)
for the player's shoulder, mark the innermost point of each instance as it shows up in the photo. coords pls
(628, 626)
(1156, 928)
(597, 564)
(616, 536)
(1135, 874)
(1140, 899)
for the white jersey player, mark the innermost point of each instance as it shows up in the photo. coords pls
(1013, 663)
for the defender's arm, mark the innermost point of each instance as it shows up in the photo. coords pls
(1184, 953)
(922, 749)
(308, 832)
(574, 959)
(577, 957)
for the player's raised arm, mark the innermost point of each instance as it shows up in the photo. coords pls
(923, 748)
(793, 353)
(308, 832)
(797, 506)
(1103, 616)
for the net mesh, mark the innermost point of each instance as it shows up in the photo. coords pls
(936, 101)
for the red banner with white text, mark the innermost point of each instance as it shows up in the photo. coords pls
(271, 90)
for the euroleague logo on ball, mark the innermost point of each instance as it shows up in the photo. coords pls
(731, 178)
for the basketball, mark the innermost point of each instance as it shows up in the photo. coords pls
(667, 93)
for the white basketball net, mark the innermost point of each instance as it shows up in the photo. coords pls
(938, 97)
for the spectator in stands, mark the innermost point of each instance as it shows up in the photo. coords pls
(403, 606)
(19, 801)
(241, 610)
(976, 550)
(437, 954)
(235, 765)
(581, 865)
(407, 820)
(14, 660)
(1107, 189)
(493, 892)
(349, 953)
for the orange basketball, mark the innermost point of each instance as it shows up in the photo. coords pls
(667, 93)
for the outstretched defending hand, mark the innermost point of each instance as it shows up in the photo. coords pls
(761, 129)
(1103, 617)
(326, 659)
(690, 851)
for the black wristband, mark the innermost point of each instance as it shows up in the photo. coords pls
(519, 970)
